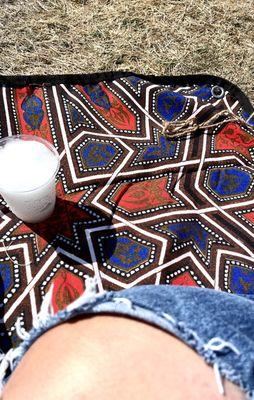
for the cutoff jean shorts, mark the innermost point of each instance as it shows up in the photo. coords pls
(218, 325)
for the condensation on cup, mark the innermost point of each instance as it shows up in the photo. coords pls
(28, 168)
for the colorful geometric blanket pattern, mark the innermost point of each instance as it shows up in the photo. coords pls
(133, 207)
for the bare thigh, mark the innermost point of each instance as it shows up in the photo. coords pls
(110, 357)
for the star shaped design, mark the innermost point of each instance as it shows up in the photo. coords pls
(191, 232)
(145, 195)
(250, 216)
(67, 288)
(184, 279)
(61, 223)
(246, 215)
(241, 277)
(160, 149)
(232, 137)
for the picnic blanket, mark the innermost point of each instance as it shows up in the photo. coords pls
(148, 192)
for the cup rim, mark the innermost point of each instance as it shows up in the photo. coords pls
(37, 139)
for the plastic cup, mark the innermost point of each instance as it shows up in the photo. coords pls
(30, 196)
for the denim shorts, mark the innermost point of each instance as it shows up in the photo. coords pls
(219, 326)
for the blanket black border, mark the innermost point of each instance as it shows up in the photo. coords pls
(72, 79)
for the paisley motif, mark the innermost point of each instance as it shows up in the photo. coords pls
(98, 96)
(33, 112)
(170, 104)
(232, 137)
(111, 108)
(143, 195)
(67, 288)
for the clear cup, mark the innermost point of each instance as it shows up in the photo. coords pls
(37, 203)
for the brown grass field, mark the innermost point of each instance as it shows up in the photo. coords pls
(159, 37)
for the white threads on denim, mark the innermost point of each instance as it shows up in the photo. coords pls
(21, 332)
(6, 361)
(89, 295)
(124, 300)
(218, 344)
(91, 285)
(218, 379)
(46, 308)
(169, 318)
(4, 365)
(46, 311)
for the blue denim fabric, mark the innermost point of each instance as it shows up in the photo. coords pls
(218, 325)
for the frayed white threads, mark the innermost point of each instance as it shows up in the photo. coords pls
(169, 318)
(217, 344)
(123, 300)
(218, 379)
(90, 293)
(46, 308)
(7, 361)
(4, 365)
(21, 332)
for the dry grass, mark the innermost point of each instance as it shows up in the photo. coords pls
(145, 36)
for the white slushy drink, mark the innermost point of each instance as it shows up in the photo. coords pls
(28, 167)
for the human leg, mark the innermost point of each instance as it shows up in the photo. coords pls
(111, 357)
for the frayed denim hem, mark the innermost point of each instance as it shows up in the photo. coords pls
(92, 302)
